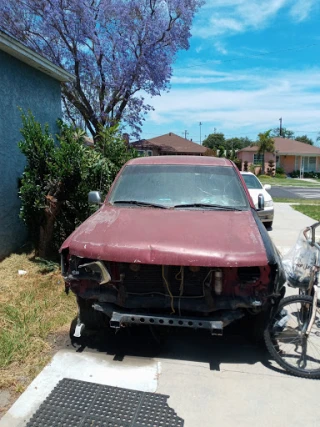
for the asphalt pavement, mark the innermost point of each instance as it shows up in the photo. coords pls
(211, 381)
(295, 192)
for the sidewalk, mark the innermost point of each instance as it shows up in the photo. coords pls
(286, 226)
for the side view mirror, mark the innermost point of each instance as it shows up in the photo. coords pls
(260, 202)
(267, 187)
(94, 198)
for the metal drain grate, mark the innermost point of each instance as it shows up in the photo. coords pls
(75, 403)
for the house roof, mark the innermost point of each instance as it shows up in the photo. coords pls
(289, 146)
(18, 50)
(171, 143)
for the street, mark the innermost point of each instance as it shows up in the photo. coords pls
(295, 192)
(226, 381)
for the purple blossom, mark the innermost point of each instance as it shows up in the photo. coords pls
(115, 49)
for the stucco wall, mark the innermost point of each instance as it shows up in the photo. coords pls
(248, 156)
(25, 87)
(287, 163)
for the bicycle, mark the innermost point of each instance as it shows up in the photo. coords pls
(292, 335)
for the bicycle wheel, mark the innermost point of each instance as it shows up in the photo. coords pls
(286, 340)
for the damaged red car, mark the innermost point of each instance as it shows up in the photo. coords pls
(177, 243)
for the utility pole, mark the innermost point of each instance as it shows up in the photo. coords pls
(185, 134)
(280, 126)
(200, 124)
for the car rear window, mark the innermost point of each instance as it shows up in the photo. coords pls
(252, 182)
(171, 185)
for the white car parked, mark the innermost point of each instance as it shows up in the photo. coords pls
(255, 188)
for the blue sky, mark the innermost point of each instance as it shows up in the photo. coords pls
(250, 62)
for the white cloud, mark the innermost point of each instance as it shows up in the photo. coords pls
(199, 49)
(257, 106)
(302, 9)
(220, 17)
(220, 48)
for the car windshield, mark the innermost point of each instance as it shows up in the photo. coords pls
(179, 185)
(252, 182)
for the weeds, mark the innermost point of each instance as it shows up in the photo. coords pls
(32, 307)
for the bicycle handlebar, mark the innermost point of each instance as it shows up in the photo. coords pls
(312, 228)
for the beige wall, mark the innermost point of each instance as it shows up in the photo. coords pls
(287, 162)
(248, 156)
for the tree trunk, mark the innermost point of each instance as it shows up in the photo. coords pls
(46, 230)
(262, 165)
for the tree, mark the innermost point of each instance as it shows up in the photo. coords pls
(265, 144)
(305, 139)
(221, 151)
(116, 49)
(58, 177)
(285, 133)
(237, 143)
(215, 141)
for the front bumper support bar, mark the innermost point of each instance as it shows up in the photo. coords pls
(120, 319)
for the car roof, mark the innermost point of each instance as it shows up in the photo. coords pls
(181, 160)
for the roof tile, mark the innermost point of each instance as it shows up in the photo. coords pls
(171, 143)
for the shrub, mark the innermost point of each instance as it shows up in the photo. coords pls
(238, 163)
(280, 175)
(251, 168)
(295, 174)
(256, 169)
(280, 171)
(314, 175)
(58, 177)
(271, 168)
(245, 166)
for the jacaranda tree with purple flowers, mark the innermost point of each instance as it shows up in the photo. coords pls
(116, 49)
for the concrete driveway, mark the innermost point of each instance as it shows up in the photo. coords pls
(211, 381)
(286, 226)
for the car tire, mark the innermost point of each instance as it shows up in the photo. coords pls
(94, 321)
(268, 224)
(91, 318)
(251, 327)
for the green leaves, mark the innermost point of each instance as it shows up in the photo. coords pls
(64, 173)
(265, 144)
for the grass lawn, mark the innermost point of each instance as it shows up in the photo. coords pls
(313, 211)
(34, 310)
(297, 201)
(288, 182)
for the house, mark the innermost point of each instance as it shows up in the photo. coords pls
(30, 82)
(168, 144)
(289, 154)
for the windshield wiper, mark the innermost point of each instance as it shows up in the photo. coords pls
(138, 203)
(207, 205)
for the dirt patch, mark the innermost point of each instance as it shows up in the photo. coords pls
(57, 341)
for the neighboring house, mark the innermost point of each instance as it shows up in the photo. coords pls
(168, 144)
(31, 82)
(289, 154)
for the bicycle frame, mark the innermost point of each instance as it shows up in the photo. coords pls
(315, 274)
